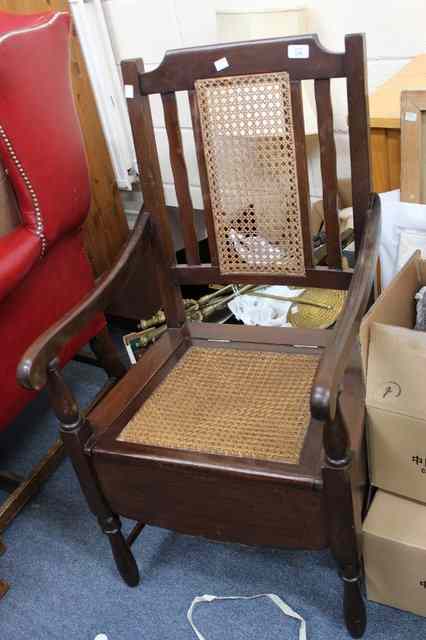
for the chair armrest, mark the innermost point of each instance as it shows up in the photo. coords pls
(19, 252)
(32, 369)
(336, 356)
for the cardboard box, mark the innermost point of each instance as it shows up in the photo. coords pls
(394, 361)
(394, 547)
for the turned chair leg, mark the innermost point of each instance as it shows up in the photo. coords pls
(76, 432)
(354, 610)
(341, 523)
(123, 556)
(108, 357)
(344, 546)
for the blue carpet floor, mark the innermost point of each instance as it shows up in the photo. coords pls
(64, 585)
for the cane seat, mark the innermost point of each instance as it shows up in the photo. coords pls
(249, 404)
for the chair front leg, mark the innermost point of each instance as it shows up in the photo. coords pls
(76, 432)
(341, 522)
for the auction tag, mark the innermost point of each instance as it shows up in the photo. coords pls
(221, 64)
(298, 51)
(410, 116)
(129, 91)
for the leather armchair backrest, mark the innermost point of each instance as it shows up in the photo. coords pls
(41, 144)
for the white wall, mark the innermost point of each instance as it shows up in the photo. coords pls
(141, 28)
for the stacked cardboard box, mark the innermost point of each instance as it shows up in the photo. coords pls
(394, 359)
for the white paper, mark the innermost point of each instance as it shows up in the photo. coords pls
(128, 91)
(298, 51)
(410, 116)
(221, 64)
(266, 312)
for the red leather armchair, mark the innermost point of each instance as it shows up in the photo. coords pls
(44, 270)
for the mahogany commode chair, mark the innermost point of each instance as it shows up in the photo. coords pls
(245, 434)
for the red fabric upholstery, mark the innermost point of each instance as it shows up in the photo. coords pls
(44, 271)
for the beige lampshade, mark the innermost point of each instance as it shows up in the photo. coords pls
(252, 24)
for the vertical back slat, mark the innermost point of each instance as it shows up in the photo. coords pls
(204, 183)
(180, 175)
(302, 168)
(328, 171)
(152, 187)
(359, 138)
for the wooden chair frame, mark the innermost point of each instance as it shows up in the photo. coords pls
(324, 492)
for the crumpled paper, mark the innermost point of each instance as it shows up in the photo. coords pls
(263, 311)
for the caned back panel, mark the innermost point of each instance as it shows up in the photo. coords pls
(253, 169)
(249, 148)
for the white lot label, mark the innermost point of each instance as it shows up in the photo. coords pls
(221, 64)
(410, 116)
(128, 91)
(298, 51)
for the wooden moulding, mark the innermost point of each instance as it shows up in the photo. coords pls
(413, 146)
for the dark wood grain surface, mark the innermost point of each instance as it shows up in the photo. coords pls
(302, 170)
(180, 175)
(328, 171)
(202, 169)
(181, 67)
